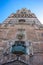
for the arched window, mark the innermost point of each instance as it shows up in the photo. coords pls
(21, 20)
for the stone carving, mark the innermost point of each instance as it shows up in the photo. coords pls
(23, 13)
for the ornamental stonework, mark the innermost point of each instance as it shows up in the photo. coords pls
(21, 39)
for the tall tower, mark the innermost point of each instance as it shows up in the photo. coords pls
(21, 39)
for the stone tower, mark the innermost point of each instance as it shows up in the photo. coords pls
(21, 39)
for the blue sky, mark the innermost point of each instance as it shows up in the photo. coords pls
(9, 6)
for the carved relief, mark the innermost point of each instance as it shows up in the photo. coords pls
(23, 13)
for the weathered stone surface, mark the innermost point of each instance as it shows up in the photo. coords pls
(33, 37)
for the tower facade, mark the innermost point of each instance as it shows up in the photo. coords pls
(21, 39)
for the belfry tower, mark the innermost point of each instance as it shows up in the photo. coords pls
(21, 39)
